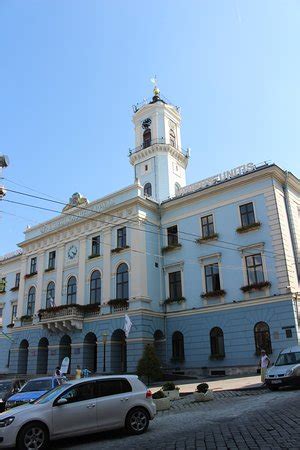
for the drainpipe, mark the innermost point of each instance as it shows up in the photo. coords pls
(290, 222)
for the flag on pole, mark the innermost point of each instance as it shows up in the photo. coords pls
(127, 325)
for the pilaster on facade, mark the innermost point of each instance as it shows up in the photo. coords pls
(59, 274)
(39, 286)
(81, 271)
(21, 293)
(106, 282)
(139, 288)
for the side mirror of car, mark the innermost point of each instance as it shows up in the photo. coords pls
(61, 401)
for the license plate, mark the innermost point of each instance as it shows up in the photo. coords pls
(275, 381)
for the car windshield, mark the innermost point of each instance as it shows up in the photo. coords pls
(288, 359)
(37, 385)
(48, 396)
(4, 385)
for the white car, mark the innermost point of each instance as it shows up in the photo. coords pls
(286, 370)
(89, 405)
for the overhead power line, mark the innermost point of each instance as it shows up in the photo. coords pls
(212, 244)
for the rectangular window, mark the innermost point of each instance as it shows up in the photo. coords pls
(33, 265)
(288, 333)
(247, 214)
(254, 267)
(212, 277)
(112, 387)
(51, 261)
(2, 284)
(96, 246)
(14, 312)
(121, 237)
(175, 285)
(172, 233)
(207, 225)
(17, 280)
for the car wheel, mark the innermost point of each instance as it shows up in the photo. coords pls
(137, 421)
(34, 435)
(273, 388)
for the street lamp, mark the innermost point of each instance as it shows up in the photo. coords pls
(104, 340)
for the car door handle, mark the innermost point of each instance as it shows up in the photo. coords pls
(124, 399)
(91, 405)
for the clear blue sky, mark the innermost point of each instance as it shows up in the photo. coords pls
(71, 69)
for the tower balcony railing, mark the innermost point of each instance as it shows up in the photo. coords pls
(160, 141)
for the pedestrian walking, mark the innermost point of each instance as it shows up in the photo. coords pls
(264, 364)
(86, 373)
(58, 375)
(78, 373)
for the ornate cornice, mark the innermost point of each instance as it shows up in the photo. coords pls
(159, 148)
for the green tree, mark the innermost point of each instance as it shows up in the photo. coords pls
(149, 364)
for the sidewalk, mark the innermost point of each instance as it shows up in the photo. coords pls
(220, 384)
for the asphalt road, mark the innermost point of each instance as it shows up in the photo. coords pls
(267, 420)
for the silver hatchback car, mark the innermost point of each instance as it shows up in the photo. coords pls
(89, 405)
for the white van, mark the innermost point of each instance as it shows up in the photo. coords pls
(286, 370)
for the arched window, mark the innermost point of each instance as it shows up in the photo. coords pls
(50, 295)
(262, 338)
(95, 287)
(31, 301)
(172, 138)
(217, 342)
(71, 291)
(147, 138)
(147, 190)
(122, 282)
(177, 346)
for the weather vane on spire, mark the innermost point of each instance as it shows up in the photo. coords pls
(156, 90)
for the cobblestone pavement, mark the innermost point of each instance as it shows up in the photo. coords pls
(257, 420)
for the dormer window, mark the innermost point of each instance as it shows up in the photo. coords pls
(147, 138)
(148, 190)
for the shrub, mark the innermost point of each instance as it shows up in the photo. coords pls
(149, 364)
(158, 394)
(202, 387)
(169, 386)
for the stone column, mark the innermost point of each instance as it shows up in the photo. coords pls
(39, 283)
(59, 274)
(81, 272)
(21, 293)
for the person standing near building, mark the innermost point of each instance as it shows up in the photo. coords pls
(264, 364)
(78, 373)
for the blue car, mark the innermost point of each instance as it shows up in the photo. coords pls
(32, 390)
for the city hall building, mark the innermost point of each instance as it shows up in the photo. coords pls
(207, 272)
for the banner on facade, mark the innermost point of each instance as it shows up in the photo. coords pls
(65, 365)
(127, 325)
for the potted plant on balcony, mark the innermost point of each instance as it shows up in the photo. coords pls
(203, 393)
(171, 391)
(161, 401)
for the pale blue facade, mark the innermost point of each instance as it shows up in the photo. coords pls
(195, 328)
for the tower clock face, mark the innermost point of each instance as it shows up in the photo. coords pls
(146, 123)
(72, 252)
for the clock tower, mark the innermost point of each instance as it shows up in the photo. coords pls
(158, 159)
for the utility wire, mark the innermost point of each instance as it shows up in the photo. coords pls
(135, 220)
(126, 220)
